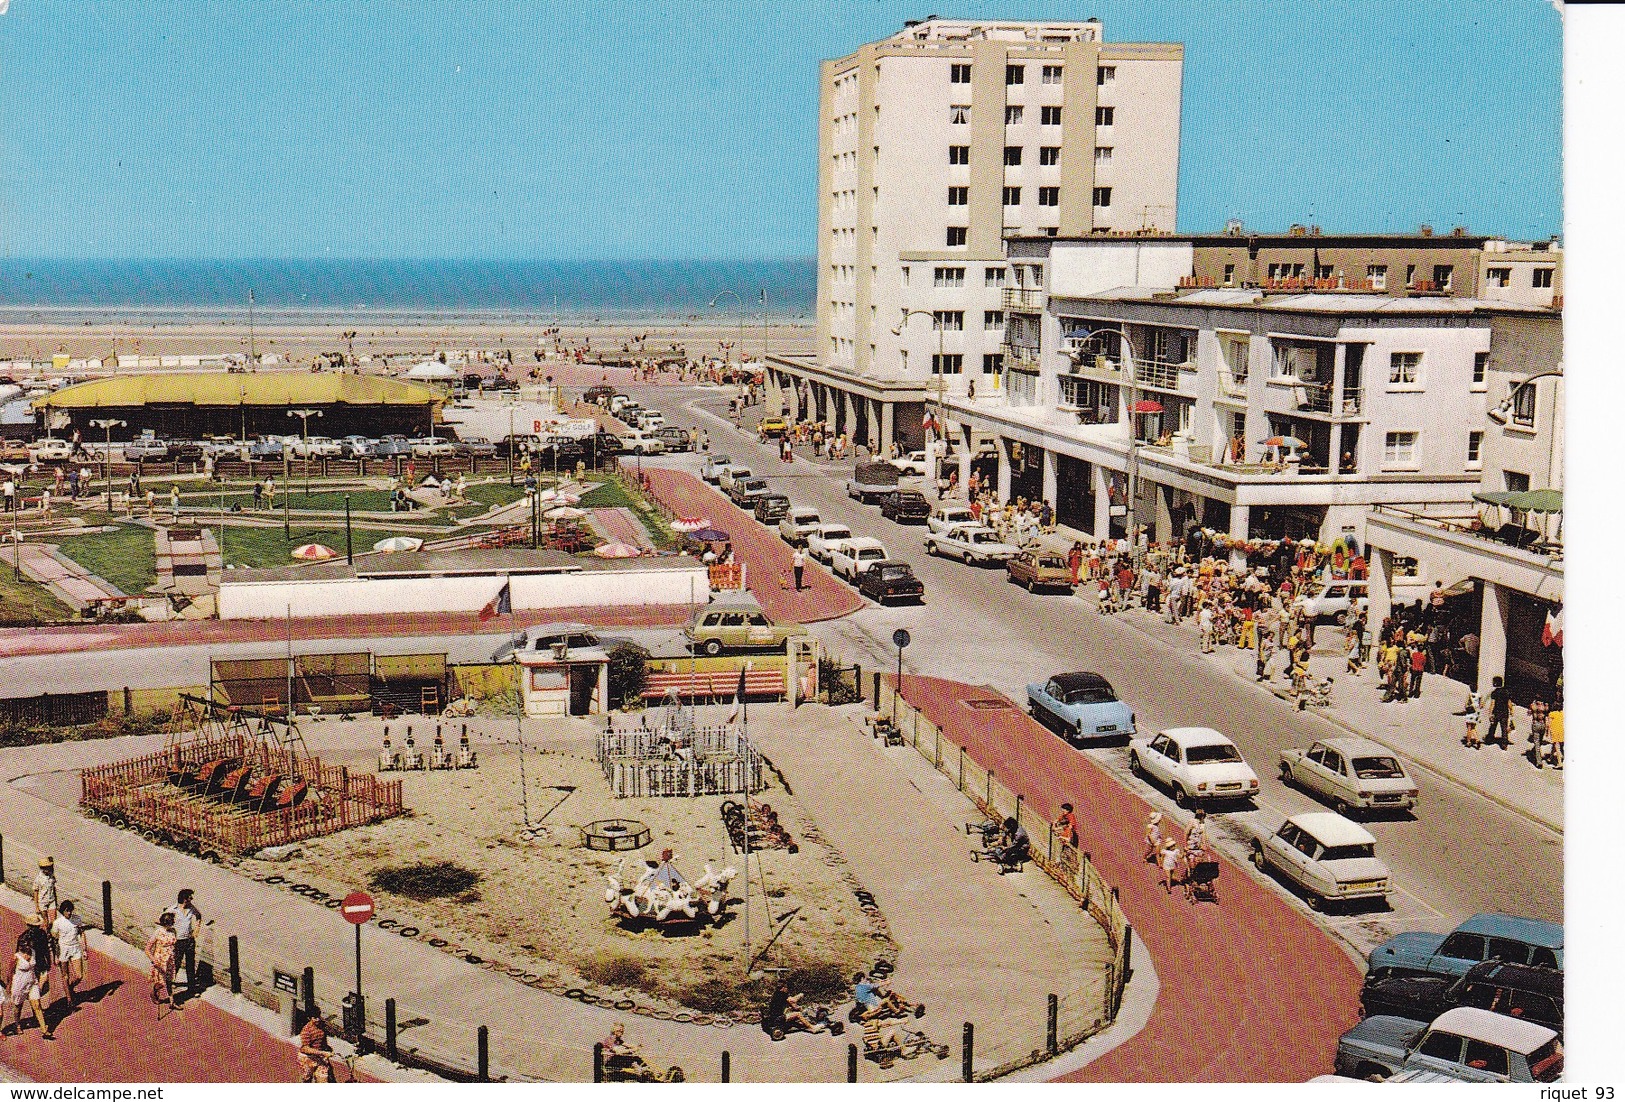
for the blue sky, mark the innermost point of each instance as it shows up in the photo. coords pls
(310, 128)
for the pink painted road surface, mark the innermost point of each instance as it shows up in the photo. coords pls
(1251, 989)
(767, 558)
(116, 1036)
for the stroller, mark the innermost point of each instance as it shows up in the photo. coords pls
(1201, 885)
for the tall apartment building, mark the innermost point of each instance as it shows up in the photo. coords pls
(937, 143)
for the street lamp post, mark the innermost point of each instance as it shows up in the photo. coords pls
(741, 301)
(1131, 361)
(941, 433)
(107, 427)
(304, 416)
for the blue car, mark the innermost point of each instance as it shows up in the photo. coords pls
(1080, 706)
(1483, 937)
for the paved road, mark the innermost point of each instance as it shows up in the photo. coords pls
(1004, 637)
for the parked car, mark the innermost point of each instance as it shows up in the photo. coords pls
(426, 447)
(149, 449)
(770, 507)
(1351, 774)
(822, 540)
(15, 451)
(316, 447)
(675, 439)
(618, 402)
(713, 630)
(890, 580)
(1464, 1044)
(517, 445)
(266, 447)
(870, 480)
(914, 463)
(185, 451)
(1080, 706)
(391, 446)
(744, 491)
(473, 380)
(598, 395)
(851, 557)
(1040, 570)
(1334, 600)
(1516, 990)
(797, 525)
(732, 473)
(605, 443)
(475, 447)
(714, 465)
(223, 447)
(971, 544)
(358, 447)
(946, 516)
(639, 442)
(50, 450)
(1197, 764)
(499, 382)
(1482, 937)
(651, 421)
(1330, 858)
(772, 427)
(905, 506)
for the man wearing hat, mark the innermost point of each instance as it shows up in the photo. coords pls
(45, 891)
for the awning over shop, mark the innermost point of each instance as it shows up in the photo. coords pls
(1536, 501)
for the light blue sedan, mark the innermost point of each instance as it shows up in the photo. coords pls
(1080, 706)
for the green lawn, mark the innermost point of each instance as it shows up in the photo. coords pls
(125, 556)
(261, 547)
(616, 494)
(25, 602)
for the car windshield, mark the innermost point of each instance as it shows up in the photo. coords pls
(870, 553)
(1546, 1062)
(982, 537)
(1348, 853)
(1094, 694)
(1377, 769)
(837, 533)
(892, 572)
(1051, 562)
(720, 460)
(1206, 755)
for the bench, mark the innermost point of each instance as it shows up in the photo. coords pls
(714, 685)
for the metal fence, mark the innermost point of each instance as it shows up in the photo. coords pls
(699, 761)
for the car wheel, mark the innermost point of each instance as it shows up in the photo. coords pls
(1316, 903)
(1341, 619)
(1343, 808)
(1286, 774)
(713, 647)
(1181, 797)
(965, 558)
(1135, 767)
(1032, 585)
(1258, 855)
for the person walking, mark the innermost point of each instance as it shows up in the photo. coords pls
(1475, 706)
(161, 952)
(1204, 622)
(1418, 666)
(1500, 714)
(1074, 560)
(45, 890)
(69, 934)
(151, 503)
(1539, 724)
(187, 920)
(1168, 862)
(24, 987)
(1066, 826)
(1153, 837)
(798, 563)
(1554, 733)
(259, 496)
(175, 504)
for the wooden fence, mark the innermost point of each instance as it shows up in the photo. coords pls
(52, 710)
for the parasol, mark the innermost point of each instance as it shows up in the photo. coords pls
(1536, 501)
(398, 543)
(1284, 442)
(1146, 405)
(690, 524)
(565, 512)
(710, 535)
(314, 552)
(616, 551)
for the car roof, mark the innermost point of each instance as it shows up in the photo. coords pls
(1351, 745)
(1331, 829)
(1525, 977)
(1497, 1029)
(1532, 931)
(1081, 679)
(828, 524)
(1196, 736)
(802, 510)
(864, 543)
(895, 562)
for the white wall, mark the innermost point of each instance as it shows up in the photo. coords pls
(362, 596)
(1081, 268)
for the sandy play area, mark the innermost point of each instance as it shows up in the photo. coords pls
(538, 906)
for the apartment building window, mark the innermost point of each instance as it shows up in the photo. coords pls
(1015, 74)
(949, 321)
(992, 319)
(947, 363)
(1481, 370)
(1012, 197)
(1516, 481)
(1049, 154)
(958, 196)
(1498, 277)
(1377, 276)
(1444, 276)
(904, 272)
(957, 235)
(1475, 449)
(1049, 116)
(1051, 196)
(948, 277)
(1399, 449)
(1523, 407)
(1541, 277)
(959, 114)
(1052, 231)
(959, 154)
(1286, 271)
(1012, 115)
(1103, 155)
(1012, 155)
(993, 277)
(1103, 196)
(959, 74)
(1323, 271)
(1404, 369)
(1105, 116)
(1105, 75)
(1052, 74)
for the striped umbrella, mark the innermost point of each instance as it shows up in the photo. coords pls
(313, 552)
(690, 524)
(616, 551)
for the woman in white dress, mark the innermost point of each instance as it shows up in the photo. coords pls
(23, 988)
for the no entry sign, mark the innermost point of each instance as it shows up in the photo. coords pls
(357, 908)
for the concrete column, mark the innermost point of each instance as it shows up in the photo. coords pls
(885, 412)
(1492, 636)
(1103, 501)
(1240, 517)
(1004, 469)
(1379, 586)
(1050, 468)
(964, 469)
(851, 407)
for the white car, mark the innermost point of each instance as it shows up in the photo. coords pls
(715, 464)
(821, 541)
(316, 447)
(49, 449)
(852, 557)
(733, 472)
(1196, 764)
(1334, 600)
(914, 463)
(971, 543)
(1326, 856)
(798, 524)
(641, 442)
(944, 517)
(651, 420)
(1351, 773)
(429, 446)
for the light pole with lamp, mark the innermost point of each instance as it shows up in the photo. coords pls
(941, 433)
(304, 416)
(741, 301)
(107, 427)
(1133, 436)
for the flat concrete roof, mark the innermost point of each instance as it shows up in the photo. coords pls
(221, 388)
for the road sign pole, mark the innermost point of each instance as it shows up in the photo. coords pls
(357, 909)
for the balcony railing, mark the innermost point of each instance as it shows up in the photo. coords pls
(1020, 357)
(1509, 535)
(1024, 300)
(1096, 365)
(1231, 386)
(1317, 398)
(1159, 373)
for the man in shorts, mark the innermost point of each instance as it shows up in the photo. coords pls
(45, 891)
(69, 934)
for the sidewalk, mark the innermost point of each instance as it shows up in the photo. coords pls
(1251, 990)
(69, 581)
(766, 556)
(1425, 731)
